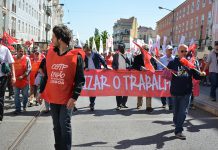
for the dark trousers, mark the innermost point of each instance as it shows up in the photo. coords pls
(92, 101)
(121, 100)
(164, 101)
(10, 87)
(61, 117)
(3, 84)
(214, 84)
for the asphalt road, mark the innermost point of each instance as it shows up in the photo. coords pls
(108, 129)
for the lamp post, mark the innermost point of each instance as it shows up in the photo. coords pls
(48, 13)
(173, 22)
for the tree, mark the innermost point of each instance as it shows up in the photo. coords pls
(104, 36)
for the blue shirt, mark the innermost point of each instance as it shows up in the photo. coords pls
(164, 60)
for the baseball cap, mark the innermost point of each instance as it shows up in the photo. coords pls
(169, 47)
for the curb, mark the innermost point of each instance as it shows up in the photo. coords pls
(206, 107)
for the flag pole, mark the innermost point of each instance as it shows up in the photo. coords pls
(157, 60)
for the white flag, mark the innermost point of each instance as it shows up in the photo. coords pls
(78, 40)
(94, 45)
(150, 44)
(192, 41)
(101, 46)
(164, 45)
(109, 43)
(182, 40)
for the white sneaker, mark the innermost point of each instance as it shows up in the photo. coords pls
(180, 136)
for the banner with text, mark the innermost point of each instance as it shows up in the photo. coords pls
(127, 83)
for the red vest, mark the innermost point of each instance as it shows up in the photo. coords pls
(35, 68)
(20, 66)
(61, 72)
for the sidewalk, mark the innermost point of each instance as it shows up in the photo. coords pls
(203, 102)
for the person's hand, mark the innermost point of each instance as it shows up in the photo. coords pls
(20, 78)
(143, 68)
(71, 103)
(203, 73)
(13, 80)
(39, 99)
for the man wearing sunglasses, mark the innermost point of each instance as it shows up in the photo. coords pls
(181, 89)
(212, 63)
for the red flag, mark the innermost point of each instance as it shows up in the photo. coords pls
(9, 38)
(156, 52)
(187, 63)
(147, 58)
(192, 48)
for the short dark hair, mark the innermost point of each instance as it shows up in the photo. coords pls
(62, 32)
(121, 45)
(216, 43)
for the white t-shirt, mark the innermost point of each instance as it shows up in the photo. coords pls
(122, 61)
(5, 57)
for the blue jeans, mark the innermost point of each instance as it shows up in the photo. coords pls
(214, 84)
(164, 101)
(61, 117)
(24, 92)
(181, 106)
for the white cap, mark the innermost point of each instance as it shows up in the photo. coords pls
(169, 47)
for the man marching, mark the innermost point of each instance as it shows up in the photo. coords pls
(65, 78)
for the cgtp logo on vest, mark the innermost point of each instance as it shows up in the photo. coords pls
(58, 73)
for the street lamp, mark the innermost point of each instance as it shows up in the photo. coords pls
(173, 21)
(48, 27)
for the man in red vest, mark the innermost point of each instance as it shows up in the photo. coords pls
(63, 84)
(22, 67)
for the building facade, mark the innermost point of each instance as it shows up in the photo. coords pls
(192, 19)
(30, 19)
(123, 29)
(144, 33)
(215, 21)
(4, 16)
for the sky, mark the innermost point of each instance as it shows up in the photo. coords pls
(86, 15)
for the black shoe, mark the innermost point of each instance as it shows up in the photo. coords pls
(75, 109)
(123, 106)
(118, 108)
(30, 104)
(1, 118)
(180, 136)
(149, 109)
(170, 107)
(17, 112)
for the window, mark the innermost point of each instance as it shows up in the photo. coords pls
(29, 29)
(196, 22)
(209, 21)
(19, 25)
(186, 25)
(184, 12)
(187, 9)
(202, 19)
(4, 21)
(203, 3)
(23, 5)
(19, 4)
(14, 6)
(198, 4)
(30, 10)
(4, 3)
(191, 24)
(193, 7)
(22, 27)
(27, 7)
(26, 28)
(13, 29)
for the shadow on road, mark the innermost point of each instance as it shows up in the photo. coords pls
(158, 139)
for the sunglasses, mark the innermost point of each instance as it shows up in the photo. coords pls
(184, 51)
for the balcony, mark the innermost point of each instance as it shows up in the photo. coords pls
(48, 27)
(48, 11)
